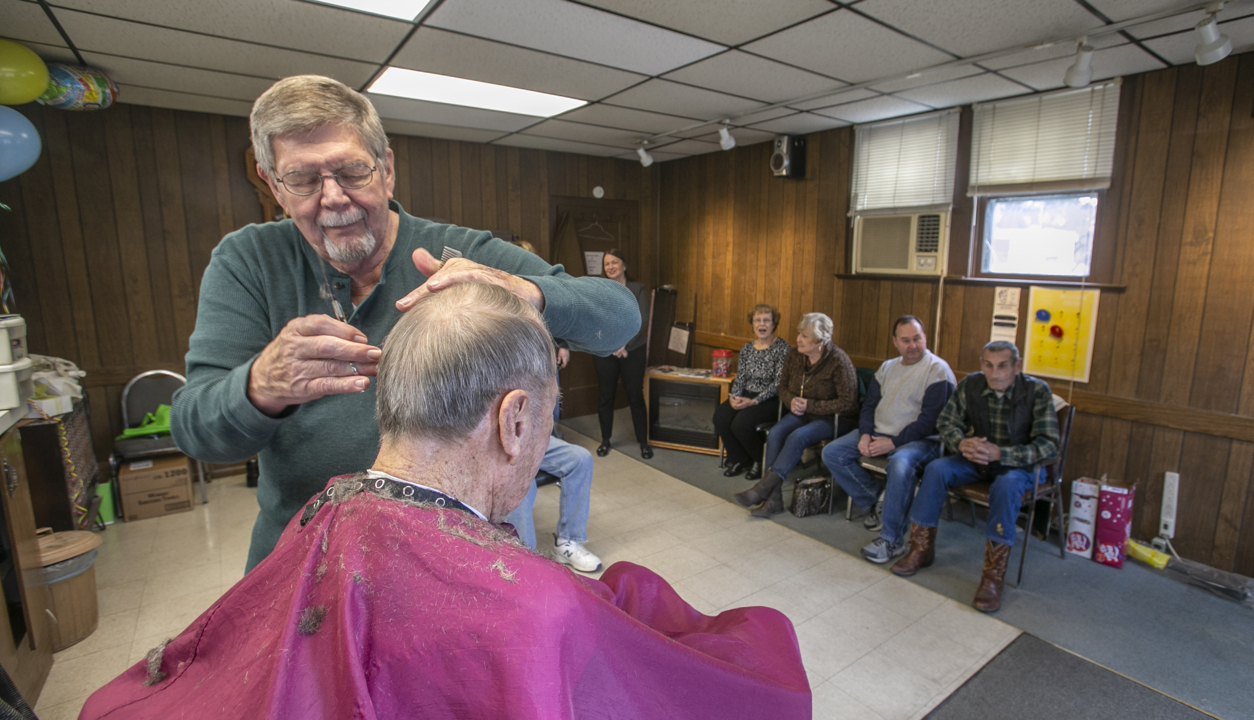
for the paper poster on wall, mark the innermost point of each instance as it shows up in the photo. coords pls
(593, 262)
(1005, 315)
(679, 340)
(1062, 325)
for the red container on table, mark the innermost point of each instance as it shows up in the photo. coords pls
(1114, 523)
(722, 363)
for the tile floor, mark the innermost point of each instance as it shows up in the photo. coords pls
(875, 646)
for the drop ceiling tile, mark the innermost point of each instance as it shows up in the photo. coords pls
(658, 157)
(1119, 10)
(182, 101)
(1113, 62)
(52, 53)
(441, 114)
(445, 53)
(877, 108)
(689, 147)
(927, 78)
(838, 99)
(567, 146)
(580, 132)
(724, 21)
(443, 132)
(1178, 49)
(26, 22)
(800, 124)
(847, 46)
(961, 92)
(180, 79)
(626, 118)
(1187, 21)
(746, 75)
(971, 27)
(1050, 52)
(744, 136)
(671, 98)
(565, 28)
(298, 25)
(763, 116)
(118, 37)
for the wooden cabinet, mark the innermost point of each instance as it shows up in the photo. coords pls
(25, 630)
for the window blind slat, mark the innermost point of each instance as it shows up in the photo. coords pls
(905, 163)
(1054, 138)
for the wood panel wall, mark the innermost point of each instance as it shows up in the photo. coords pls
(112, 228)
(1172, 381)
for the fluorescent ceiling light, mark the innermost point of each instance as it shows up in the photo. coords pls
(470, 93)
(405, 10)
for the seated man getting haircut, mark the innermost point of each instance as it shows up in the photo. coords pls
(393, 594)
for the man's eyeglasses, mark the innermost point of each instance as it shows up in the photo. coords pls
(307, 182)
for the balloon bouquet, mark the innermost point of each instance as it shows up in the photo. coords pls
(24, 78)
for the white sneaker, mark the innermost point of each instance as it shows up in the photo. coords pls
(575, 555)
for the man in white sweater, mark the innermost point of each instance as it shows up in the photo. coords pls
(897, 422)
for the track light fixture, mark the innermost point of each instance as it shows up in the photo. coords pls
(1211, 46)
(725, 139)
(1081, 71)
(645, 158)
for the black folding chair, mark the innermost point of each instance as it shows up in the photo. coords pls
(141, 396)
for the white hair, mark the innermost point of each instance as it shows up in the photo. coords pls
(453, 354)
(302, 103)
(817, 325)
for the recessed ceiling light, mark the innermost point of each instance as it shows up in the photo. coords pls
(400, 9)
(470, 93)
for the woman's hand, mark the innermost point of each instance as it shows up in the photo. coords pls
(738, 402)
(621, 353)
(563, 358)
(798, 406)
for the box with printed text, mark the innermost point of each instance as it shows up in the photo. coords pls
(155, 487)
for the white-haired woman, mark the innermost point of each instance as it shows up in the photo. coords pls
(818, 383)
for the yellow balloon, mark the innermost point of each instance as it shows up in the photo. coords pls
(23, 75)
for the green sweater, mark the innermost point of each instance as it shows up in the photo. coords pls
(263, 276)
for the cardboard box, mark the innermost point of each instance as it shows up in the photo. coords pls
(1080, 521)
(1114, 523)
(155, 487)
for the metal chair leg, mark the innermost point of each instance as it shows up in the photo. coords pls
(1027, 537)
(1062, 524)
(971, 507)
(200, 472)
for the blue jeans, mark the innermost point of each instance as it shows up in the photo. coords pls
(904, 465)
(573, 465)
(1004, 499)
(790, 437)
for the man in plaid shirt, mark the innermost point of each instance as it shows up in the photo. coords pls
(1013, 426)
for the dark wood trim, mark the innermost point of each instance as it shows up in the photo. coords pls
(120, 375)
(1024, 282)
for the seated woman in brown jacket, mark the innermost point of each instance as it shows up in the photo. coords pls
(818, 383)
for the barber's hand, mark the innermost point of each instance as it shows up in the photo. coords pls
(459, 270)
(563, 358)
(738, 402)
(312, 357)
(880, 446)
(864, 445)
(621, 352)
(798, 406)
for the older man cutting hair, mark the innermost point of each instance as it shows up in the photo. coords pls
(392, 594)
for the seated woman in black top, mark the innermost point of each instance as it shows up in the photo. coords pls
(753, 398)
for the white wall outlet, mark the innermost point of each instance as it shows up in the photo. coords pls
(1171, 495)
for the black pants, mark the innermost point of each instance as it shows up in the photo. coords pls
(742, 442)
(631, 368)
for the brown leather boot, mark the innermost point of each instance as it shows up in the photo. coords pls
(774, 504)
(756, 494)
(922, 551)
(996, 558)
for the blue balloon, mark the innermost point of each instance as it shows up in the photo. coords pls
(19, 143)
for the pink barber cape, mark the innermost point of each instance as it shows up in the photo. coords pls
(380, 608)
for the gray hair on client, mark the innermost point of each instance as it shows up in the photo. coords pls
(452, 355)
(818, 325)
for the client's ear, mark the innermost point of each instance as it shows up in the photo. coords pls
(513, 422)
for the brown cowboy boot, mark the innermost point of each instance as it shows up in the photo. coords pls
(922, 551)
(774, 504)
(996, 558)
(756, 494)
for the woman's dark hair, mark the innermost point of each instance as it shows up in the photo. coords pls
(618, 254)
(765, 308)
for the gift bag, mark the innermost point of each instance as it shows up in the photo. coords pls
(811, 496)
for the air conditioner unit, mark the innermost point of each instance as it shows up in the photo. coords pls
(901, 244)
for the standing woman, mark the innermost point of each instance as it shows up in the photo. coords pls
(628, 362)
(753, 398)
(818, 383)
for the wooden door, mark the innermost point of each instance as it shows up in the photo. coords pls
(25, 639)
(586, 225)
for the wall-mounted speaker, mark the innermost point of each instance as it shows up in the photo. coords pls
(788, 157)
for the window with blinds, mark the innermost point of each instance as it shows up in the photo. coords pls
(905, 164)
(1045, 143)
